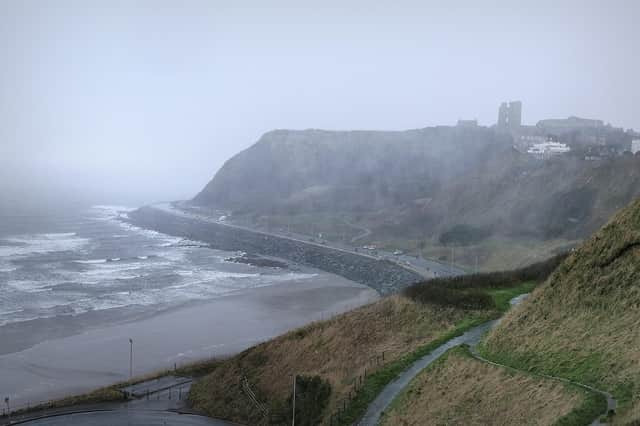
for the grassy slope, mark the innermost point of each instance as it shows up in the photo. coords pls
(338, 350)
(459, 390)
(584, 323)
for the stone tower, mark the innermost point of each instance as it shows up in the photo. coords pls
(510, 116)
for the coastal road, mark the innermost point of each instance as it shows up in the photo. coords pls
(126, 417)
(425, 268)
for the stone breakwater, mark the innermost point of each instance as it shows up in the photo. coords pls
(382, 275)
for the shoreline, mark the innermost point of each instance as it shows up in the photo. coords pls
(23, 335)
(91, 356)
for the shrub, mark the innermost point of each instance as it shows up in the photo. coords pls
(464, 299)
(464, 235)
(464, 291)
(312, 396)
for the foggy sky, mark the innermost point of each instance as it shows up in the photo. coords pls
(136, 101)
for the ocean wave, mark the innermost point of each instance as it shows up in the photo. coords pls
(32, 286)
(194, 285)
(107, 212)
(293, 276)
(26, 244)
(91, 261)
(111, 260)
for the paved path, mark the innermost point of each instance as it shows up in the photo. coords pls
(393, 389)
(127, 417)
(154, 386)
(164, 404)
(471, 338)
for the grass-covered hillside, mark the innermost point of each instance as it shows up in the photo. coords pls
(337, 351)
(342, 363)
(584, 322)
(460, 390)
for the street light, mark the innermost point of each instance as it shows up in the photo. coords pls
(293, 421)
(130, 359)
(6, 401)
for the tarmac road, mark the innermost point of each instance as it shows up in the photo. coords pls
(127, 417)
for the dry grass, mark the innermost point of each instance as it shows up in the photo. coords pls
(459, 390)
(338, 350)
(584, 322)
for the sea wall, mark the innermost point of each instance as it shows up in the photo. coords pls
(383, 276)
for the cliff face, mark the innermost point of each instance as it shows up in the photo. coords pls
(424, 182)
(357, 170)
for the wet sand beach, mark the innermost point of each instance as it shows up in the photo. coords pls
(87, 357)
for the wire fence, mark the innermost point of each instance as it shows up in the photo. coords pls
(356, 385)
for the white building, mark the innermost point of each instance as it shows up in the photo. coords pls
(635, 145)
(548, 149)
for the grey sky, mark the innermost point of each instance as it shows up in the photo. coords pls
(144, 100)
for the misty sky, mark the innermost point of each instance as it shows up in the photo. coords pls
(136, 101)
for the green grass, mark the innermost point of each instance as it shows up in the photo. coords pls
(404, 396)
(502, 296)
(375, 382)
(592, 406)
(585, 370)
(565, 366)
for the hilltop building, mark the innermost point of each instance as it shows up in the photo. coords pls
(510, 116)
(558, 126)
(588, 138)
(548, 149)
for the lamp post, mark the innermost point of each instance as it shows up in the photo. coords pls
(293, 419)
(130, 358)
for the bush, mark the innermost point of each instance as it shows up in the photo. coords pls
(464, 235)
(464, 291)
(464, 299)
(312, 397)
(535, 272)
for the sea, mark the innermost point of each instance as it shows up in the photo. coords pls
(75, 262)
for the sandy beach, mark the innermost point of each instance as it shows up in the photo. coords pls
(86, 358)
